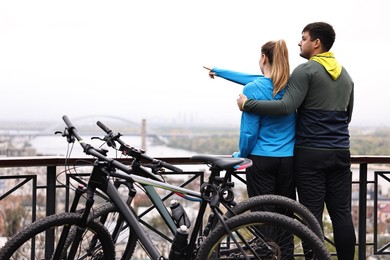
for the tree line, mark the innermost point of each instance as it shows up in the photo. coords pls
(363, 141)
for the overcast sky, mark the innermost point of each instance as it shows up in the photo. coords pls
(143, 59)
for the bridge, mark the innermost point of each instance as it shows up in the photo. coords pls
(87, 126)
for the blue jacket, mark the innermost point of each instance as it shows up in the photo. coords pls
(271, 136)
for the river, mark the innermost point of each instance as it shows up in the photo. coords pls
(57, 146)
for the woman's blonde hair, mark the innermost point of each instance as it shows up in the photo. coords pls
(277, 54)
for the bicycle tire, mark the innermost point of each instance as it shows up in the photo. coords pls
(126, 240)
(282, 205)
(31, 241)
(252, 227)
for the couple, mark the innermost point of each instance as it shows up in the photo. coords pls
(295, 129)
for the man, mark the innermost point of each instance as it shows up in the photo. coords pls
(321, 91)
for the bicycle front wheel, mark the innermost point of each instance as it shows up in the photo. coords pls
(40, 240)
(123, 236)
(262, 235)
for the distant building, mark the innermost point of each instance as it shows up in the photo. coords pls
(383, 212)
(9, 148)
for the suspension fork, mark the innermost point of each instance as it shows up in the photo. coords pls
(120, 223)
(90, 191)
(80, 190)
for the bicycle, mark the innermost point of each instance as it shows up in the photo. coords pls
(260, 202)
(101, 244)
(280, 204)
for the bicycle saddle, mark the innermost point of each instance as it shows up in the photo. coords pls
(225, 163)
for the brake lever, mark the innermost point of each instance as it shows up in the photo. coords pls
(156, 169)
(110, 140)
(96, 137)
(106, 139)
(69, 137)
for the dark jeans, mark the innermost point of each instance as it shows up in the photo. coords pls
(325, 177)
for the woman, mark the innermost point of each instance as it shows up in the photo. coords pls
(267, 140)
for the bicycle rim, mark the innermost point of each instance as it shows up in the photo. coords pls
(34, 241)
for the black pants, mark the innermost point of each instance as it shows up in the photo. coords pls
(325, 177)
(273, 175)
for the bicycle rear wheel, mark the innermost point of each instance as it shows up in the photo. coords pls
(282, 205)
(34, 241)
(262, 235)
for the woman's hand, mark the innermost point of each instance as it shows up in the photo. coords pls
(211, 74)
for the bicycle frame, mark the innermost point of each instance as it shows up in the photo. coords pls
(98, 180)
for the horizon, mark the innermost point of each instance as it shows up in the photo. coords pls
(18, 124)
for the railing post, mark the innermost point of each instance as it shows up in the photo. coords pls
(50, 207)
(51, 190)
(362, 210)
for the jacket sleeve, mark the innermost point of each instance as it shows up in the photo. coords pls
(249, 128)
(234, 76)
(296, 90)
(248, 133)
(350, 106)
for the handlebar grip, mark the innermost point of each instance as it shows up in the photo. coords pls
(104, 127)
(67, 121)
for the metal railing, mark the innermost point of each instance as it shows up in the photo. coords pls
(50, 185)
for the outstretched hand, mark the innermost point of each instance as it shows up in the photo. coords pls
(241, 101)
(211, 74)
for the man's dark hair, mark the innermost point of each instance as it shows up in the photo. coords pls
(322, 31)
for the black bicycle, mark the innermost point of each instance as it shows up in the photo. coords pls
(78, 235)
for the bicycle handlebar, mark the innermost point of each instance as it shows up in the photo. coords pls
(89, 149)
(135, 152)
